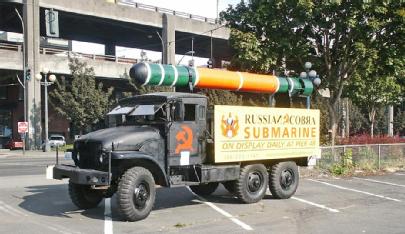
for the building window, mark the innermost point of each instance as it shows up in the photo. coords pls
(3, 92)
(5, 123)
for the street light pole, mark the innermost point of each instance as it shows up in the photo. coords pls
(51, 78)
(312, 76)
(47, 148)
(308, 66)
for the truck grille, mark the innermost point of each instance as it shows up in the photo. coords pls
(89, 154)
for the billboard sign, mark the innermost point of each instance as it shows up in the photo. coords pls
(257, 133)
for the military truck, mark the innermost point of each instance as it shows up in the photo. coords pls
(174, 139)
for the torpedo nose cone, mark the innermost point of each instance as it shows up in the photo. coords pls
(139, 73)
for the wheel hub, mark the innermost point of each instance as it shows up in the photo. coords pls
(287, 179)
(141, 195)
(254, 182)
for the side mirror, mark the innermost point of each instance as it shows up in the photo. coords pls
(178, 112)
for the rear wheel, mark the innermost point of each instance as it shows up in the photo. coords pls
(252, 183)
(136, 194)
(284, 179)
(204, 189)
(83, 196)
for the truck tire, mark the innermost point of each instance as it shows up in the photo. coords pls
(83, 196)
(283, 180)
(136, 194)
(204, 189)
(252, 183)
(230, 186)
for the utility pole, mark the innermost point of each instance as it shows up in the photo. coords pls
(217, 11)
(347, 119)
(391, 121)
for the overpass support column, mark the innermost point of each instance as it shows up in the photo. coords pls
(169, 44)
(33, 87)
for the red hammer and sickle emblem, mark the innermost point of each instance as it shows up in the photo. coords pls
(184, 139)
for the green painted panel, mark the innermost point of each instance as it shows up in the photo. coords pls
(156, 74)
(183, 78)
(308, 87)
(283, 86)
(169, 75)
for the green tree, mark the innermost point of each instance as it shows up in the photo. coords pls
(250, 56)
(377, 82)
(399, 122)
(83, 101)
(358, 121)
(335, 35)
(373, 93)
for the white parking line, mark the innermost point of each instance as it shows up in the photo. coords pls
(399, 174)
(223, 212)
(11, 210)
(355, 190)
(315, 204)
(380, 182)
(7, 211)
(108, 225)
(15, 212)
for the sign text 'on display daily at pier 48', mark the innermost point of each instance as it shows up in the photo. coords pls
(255, 133)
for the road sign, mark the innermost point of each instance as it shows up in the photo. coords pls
(22, 127)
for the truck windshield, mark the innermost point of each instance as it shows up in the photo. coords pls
(137, 115)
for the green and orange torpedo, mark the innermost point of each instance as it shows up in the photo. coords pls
(206, 78)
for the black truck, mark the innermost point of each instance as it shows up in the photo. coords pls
(167, 139)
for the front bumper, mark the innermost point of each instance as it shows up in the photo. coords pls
(80, 176)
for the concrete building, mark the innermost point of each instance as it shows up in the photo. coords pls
(120, 23)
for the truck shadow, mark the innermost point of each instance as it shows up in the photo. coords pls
(53, 200)
(221, 195)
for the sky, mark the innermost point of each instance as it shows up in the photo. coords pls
(205, 8)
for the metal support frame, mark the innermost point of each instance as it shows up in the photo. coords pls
(308, 102)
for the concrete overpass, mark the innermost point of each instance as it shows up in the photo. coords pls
(128, 24)
(113, 24)
(105, 66)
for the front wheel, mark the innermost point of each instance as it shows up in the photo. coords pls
(136, 194)
(284, 180)
(252, 183)
(83, 196)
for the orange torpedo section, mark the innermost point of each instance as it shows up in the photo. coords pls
(236, 81)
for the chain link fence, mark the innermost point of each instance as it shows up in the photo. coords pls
(363, 157)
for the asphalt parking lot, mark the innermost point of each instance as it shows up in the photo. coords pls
(375, 204)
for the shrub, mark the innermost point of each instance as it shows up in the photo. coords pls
(367, 139)
(345, 166)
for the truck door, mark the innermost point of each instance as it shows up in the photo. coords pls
(186, 131)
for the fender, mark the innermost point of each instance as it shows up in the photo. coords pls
(134, 155)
